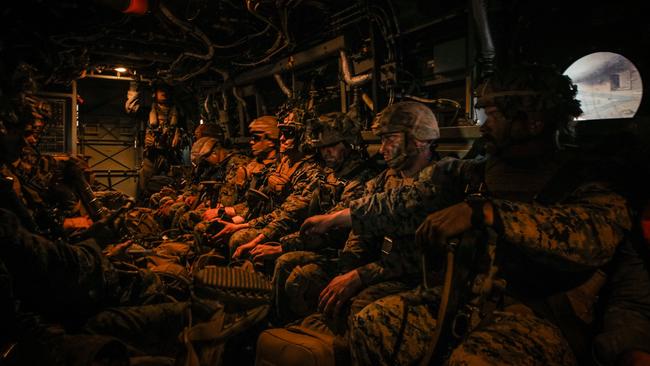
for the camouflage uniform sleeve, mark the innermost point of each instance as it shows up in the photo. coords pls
(54, 268)
(353, 190)
(293, 211)
(399, 211)
(359, 250)
(229, 194)
(583, 231)
(402, 263)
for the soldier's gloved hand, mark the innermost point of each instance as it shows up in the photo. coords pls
(338, 292)
(449, 222)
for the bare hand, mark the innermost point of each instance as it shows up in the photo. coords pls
(316, 225)
(228, 229)
(77, 223)
(149, 140)
(176, 140)
(230, 211)
(243, 249)
(265, 251)
(338, 292)
(211, 213)
(119, 249)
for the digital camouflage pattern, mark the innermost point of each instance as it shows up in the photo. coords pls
(290, 188)
(334, 193)
(412, 118)
(307, 263)
(371, 255)
(183, 211)
(510, 337)
(543, 246)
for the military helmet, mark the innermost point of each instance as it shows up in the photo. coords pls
(202, 147)
(160, 84)
(336, 127)
(295, 119)
(267, 125)
(412, 118)
(531, 89)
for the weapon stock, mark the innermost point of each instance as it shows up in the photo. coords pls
(462, 293)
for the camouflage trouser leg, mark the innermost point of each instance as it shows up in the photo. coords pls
(298, 279)
(374, 332)
(241, 237)
(373, 293)
(364, 298)
(514, 339)
(177, 214)
(188, 221)
(507, 339)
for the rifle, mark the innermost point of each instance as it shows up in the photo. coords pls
(210, 190)
(258, 202)
(469, 280)
(76, 178)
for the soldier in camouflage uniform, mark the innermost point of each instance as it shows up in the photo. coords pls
(283, 201)
(556, 223)
(162, 137)
(373, 266)
(37, 275)
(213, 162)
(264, 147)
(299, 268)
(202, 130)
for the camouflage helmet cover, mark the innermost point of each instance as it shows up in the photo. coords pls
(267, 125)
(295, 118)
(531, 88)
(202, 147)
(412, 118)
(336, 127)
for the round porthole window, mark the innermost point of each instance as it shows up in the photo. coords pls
(609, 85)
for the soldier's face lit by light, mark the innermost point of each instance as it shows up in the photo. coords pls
(392, 148)
(287, 140)
(334, 155)
(260, 144)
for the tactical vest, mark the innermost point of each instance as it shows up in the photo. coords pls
(548, 183)
(332, 187)
(163, 121)
(563, 297)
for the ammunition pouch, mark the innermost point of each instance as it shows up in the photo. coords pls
(233, 286)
